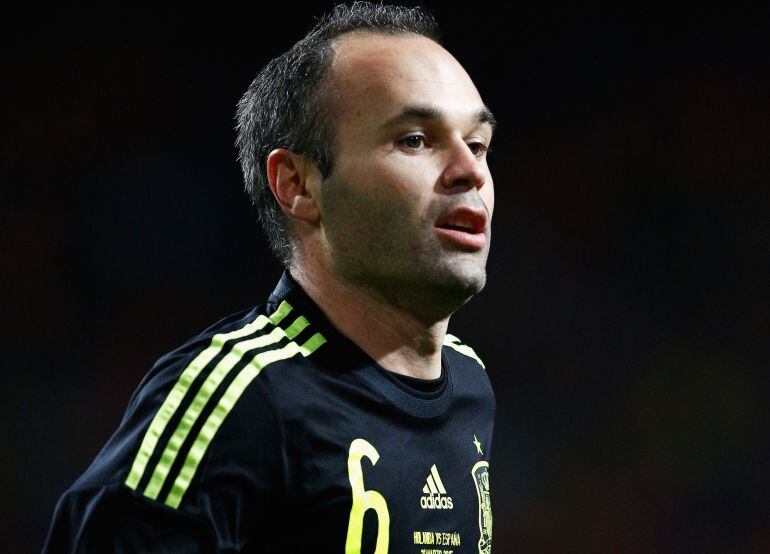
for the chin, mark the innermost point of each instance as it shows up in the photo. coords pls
(469, 280)
(467, 273)
(455, 285)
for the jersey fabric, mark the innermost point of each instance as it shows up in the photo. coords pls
(273, 432)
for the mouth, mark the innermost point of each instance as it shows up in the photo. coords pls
(464, 227)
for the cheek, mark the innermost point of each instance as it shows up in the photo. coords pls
(379, 190)
(366, 204)
(395, 184)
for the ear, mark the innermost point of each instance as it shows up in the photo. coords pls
(289, 175)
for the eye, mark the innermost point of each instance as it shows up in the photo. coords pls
(478, 148)
(412, 142)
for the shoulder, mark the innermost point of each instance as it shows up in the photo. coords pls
(468, 369)
(248, 340)
(201, 436)
(171, 366)
(205, 402)
(454, 344)
(194, 407)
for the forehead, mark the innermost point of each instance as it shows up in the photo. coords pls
(374, 75)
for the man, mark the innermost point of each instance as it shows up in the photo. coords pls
(339, 416)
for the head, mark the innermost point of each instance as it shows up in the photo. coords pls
(390, 189)
(285, 106)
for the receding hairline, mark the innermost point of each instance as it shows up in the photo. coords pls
(423, 111)
(336, 43)
(361, 32)
(326, 84)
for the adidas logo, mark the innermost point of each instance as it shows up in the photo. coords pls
(436, 498)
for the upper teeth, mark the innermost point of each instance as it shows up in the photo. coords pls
(460, 221)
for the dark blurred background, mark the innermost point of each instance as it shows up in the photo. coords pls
(624, 324)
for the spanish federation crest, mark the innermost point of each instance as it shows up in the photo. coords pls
(480, 474)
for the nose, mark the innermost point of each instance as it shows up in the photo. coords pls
(463, 169)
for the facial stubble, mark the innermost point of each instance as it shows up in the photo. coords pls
(378, 243)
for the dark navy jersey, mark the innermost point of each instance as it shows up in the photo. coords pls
(273, 432)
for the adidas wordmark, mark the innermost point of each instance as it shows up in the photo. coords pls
(435, 497)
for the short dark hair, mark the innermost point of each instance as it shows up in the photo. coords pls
(285, 105)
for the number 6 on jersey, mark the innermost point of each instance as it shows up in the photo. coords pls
(365, 499)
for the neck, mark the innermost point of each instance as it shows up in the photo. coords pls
(396, 339)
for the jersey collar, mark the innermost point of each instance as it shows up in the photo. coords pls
(346, 356)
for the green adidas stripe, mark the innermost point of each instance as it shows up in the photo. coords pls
(183, 384)
(453, 342)
(210, 385)
(226, 404)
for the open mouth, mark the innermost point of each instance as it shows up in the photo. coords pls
(463, 227)
(464, 220)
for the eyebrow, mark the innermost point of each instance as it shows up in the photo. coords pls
(481, 115)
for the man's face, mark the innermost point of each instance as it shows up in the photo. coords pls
(406, 211)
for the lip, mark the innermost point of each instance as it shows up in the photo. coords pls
(475, 239)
